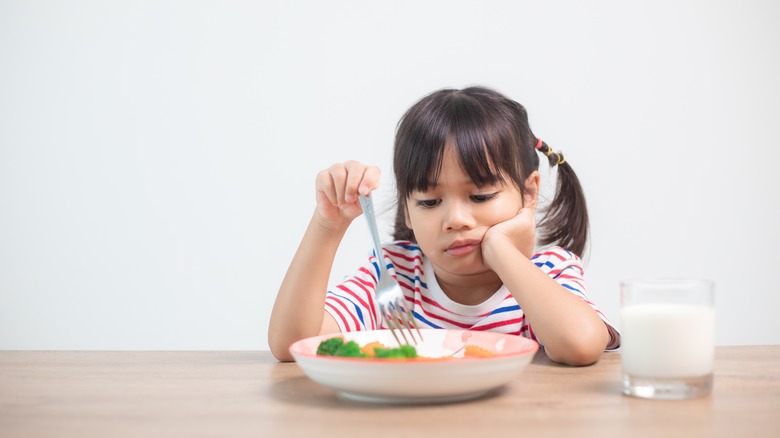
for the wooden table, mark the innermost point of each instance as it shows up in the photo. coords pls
(244, 393)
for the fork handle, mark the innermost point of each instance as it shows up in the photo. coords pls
(367, 204)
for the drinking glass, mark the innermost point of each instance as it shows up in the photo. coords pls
(668, 337)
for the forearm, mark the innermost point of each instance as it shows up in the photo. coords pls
(570, 330)
(299, 307)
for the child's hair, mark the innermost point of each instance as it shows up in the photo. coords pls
(494, 143)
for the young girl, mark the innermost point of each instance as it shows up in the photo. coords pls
(466, 168)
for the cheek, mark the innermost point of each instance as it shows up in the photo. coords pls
(505, 211)
(407, 216)
(415, 222)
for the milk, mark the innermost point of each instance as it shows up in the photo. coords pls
(667, 340)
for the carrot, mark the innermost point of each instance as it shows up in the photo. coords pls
(368, 349)
(476, 351)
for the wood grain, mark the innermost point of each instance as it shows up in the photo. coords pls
(241, 393)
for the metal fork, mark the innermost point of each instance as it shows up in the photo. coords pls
(389, 297)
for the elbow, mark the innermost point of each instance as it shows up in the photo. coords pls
(577, 357)
(280, 349)
(583, 349)
(282, 355)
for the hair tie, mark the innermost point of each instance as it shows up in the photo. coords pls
(549, 151)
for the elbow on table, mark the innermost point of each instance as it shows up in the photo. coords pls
(582, 350)
(280, 348)
(575, 356)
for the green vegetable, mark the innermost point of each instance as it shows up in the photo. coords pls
(402, 352)
(337, 347)
(329, 347)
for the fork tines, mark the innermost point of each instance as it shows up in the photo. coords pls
(400, 318)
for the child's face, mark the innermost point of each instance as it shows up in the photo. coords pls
(450, 219)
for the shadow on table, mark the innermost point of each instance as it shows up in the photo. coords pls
(301, 390)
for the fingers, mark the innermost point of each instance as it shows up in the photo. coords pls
(341, 183)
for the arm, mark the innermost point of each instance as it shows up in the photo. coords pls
(571, 331)
(299, 309)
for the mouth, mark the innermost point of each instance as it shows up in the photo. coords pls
(462, 247)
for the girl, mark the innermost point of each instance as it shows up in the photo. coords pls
(466, 168)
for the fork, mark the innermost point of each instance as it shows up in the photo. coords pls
(389, 296)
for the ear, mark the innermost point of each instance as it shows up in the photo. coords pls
(531, 195)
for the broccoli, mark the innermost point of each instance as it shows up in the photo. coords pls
(337, 347)
(402, 352)
(329, 347)
(350, 349)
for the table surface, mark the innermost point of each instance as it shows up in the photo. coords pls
(248, 393)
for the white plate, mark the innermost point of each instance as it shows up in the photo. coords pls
(418, 380)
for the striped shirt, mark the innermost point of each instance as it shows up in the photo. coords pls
(352, 302)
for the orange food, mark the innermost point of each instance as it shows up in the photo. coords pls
(368, 349)
(469, 351)
(475, 351)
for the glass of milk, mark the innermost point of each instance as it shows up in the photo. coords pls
(668, 337)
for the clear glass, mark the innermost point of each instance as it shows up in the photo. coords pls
(668, 337)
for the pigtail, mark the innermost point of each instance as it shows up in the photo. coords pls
(565, 220)
(491, 136)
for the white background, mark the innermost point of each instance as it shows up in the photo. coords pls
(157, 158)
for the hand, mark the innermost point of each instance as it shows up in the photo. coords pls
(519, 230)
(337, 189)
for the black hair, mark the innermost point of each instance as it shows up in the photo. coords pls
(494, 143)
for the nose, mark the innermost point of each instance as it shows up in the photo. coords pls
(458, 216)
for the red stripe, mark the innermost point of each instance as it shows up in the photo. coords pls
(371, 274)
(430, 302)
(352, 315)
(570, 277)
(340, 315)
(402, 256)
(500, 324)
(409, 271)
(555, 254)
(359, 299)
(441, 318)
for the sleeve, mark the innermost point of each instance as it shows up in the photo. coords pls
(566, 268)
(351, 302)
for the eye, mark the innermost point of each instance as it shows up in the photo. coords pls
(483, 197)
(427, 203)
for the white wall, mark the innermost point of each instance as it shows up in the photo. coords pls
(157, 158)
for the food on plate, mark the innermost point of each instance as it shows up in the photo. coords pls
(337, 346)
(368, 349)
(476, 351)
(402, 352)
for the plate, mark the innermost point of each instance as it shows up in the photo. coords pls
(442, 378)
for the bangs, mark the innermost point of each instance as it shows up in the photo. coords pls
(484, 145)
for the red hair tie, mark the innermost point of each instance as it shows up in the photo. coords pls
(538, 143)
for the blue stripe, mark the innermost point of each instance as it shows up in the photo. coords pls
(419, 317)
(375, 264)
(505, 309)
(411, 246)
(355, 305)
(573, 289)
(547, 263)
(411, 280)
